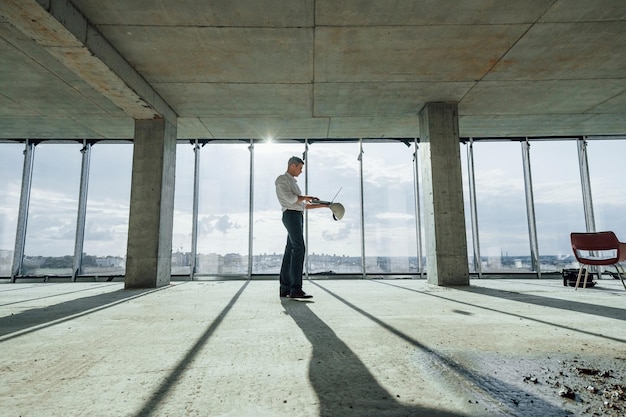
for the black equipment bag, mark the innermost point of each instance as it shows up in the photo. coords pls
(570, 276)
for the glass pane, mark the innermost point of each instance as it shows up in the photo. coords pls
(183, 209)
(51, 229)
(334, 246)
(11, 165)
(389, 200)
(501, 207)
(223, 211)
(269, 234)
(108, 202)
(558, 200)
(606, 161)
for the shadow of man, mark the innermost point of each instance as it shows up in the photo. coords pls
(343, 384)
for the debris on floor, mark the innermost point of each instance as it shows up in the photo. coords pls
(594, 389)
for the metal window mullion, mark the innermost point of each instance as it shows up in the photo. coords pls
(194, 215)
(585, 182)
(530, 208)
(418, 209)
(251, 209)
(82, 210)
(471, 174)
(22, 217)
(305, 158)
(364, 272)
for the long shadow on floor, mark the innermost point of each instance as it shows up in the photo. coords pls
(568, 305)
(501, 398)
(574, 306)
(47, 296)
(35, 319)
(162, 392)
(539, 300)
(343, 384)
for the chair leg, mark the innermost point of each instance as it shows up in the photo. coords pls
(619, 273)
(580, 271)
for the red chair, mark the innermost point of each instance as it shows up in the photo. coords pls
(598, 249)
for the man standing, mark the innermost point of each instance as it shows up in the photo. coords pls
(293, 204)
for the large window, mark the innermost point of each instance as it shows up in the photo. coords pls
(501, 207)
(606, 165)
(376, 182)
(389, 207)
(558, 200)
(183, 208)
(269, 234)
(334, 246)
(11, 162)
(51, 230)
(223, 209)
(108, 202)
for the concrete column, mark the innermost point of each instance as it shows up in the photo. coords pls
(149, 252)
(442, 185)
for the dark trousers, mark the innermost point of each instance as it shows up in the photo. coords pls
(293, 259)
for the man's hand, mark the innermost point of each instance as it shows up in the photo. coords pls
(307, 198)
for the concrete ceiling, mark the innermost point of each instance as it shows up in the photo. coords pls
(311, 68)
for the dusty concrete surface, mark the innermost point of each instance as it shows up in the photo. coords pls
(359, 348)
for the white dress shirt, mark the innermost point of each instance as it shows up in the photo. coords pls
(287, 191)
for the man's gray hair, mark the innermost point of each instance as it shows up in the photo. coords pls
(295, 160)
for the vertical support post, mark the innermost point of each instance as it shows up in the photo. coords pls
(194, 213)
(82, 210)
(251, 210)
(418, 209)
(363, 263)
(530, 209)
(305, 158)
(443, 195)
(150, 224)
(22, 216)
(585, 182)
(478, 266)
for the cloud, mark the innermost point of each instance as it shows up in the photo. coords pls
(496, 183)
(49, 228)
(45, 201)
(99, 232)
(343, 232)
(395, 216)
(216, 223)
(223, 224)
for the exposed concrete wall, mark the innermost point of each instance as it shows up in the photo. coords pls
(444, 218)
(149, 252)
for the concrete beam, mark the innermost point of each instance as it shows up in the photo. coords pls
(64, 32)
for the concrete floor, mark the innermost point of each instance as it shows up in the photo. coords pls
(359, 348)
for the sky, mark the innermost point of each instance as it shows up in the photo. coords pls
(389, 201)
